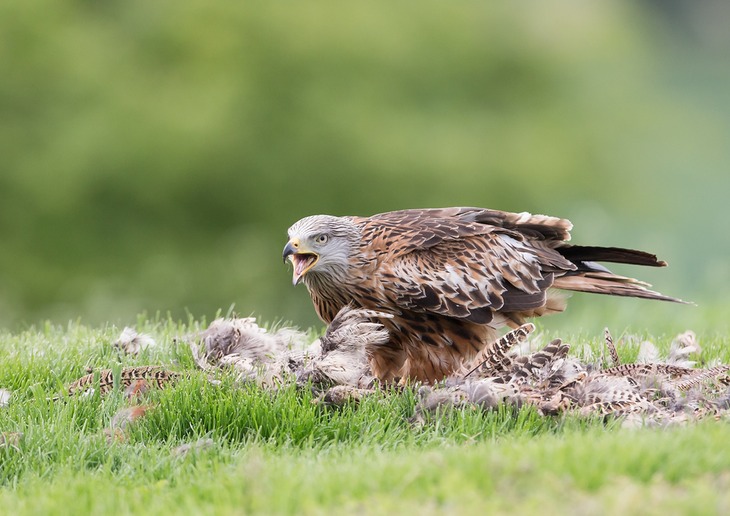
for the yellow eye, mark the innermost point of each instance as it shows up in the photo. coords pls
(321, 239)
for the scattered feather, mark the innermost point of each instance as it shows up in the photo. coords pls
(344, 350)
(648, 353)
(611, 348)
(114, 435)
(650, 392)
(128, 415)
(496, 357)
(271, 359)
(682, 347)
(136, 389)
(241, 345)
(125, 377)
(11, 440)
(340, 395)
(115, 432)
(5, 395)
(200, 444)
(131, 342)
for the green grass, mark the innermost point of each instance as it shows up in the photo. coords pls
(279, 453)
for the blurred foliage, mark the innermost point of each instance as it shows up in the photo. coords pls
(154, 153)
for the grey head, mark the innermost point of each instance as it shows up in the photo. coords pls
(321, 245)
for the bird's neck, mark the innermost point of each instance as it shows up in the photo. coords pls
(327, 296)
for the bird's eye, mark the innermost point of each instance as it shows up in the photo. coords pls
(321, 239)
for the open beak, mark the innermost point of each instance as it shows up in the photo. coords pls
(301, 259)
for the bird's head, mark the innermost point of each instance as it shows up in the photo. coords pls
(320, 245)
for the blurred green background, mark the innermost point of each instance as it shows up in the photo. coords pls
(153, 154)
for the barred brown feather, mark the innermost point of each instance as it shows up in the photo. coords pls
(615, 361)
(127, 376)
(495, 358)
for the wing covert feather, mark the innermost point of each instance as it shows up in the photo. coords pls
(471, 277)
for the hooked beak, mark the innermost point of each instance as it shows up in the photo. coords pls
(301, 259)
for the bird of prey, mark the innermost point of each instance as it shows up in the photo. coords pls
(451, 278)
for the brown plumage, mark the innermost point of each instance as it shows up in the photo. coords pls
(615, 360)
(496, 358)
(450, 277)
(127, 377)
